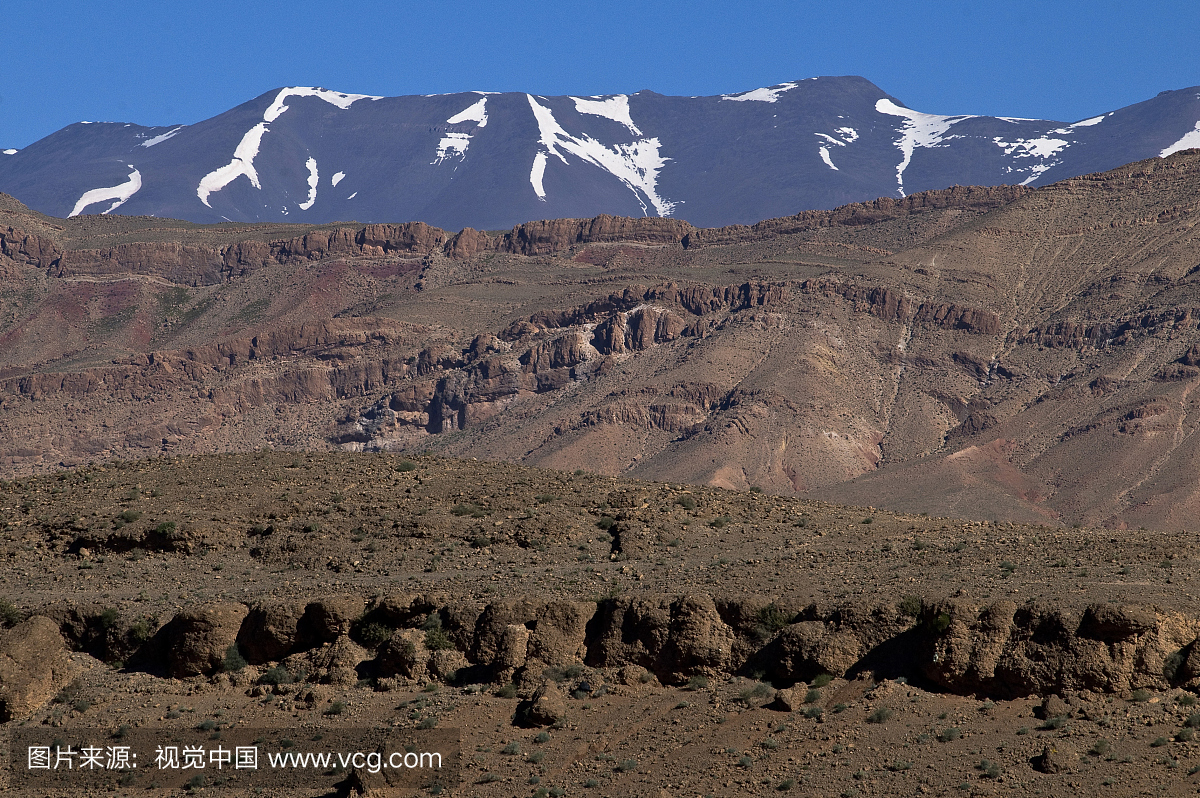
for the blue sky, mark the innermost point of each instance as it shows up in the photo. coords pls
(181, 61)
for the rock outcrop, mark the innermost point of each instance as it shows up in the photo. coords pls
(33, 666)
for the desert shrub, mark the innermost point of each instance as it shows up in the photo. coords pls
(755, 489)
(507, 691)
(1056, 722)
(880, 715)
(627, 765)
(109, 618)
(946, 735)
(1140, 695)
(544, 498)
(1193, 721)
(536, 757)
(720, 522)
(208, 724)
(472, 510)
(165, 528)
(511, 749)
(277, 675)
(1185, 700)
(786, 785)
(1185, 735)
(697, 682)
(990, 769)
(129, 516)
(336, 708)
(770, 744)
(436, 638)
(770, 620)
(1159, 742)
(406, 465)
(911, 606)
(233, 661)
(9, 614)
(427, 723)
(821, 680)
(812, 696)
(542, 737)
(373, 634)
(941, 623)
(812, 712)
(1100, 748)
(686, 502)
(606, 523)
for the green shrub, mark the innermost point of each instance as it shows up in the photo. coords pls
(507, 691)
(1140, 695)
(536, 757)
(880, 715)
(606, 523)
(165, 528)
(472, 510)
(406, 465)
(233, 661)
(812, 696)
(277, 675)
(1056, 722)
(436, 638)
(129, 516)
(686, 502)
(543, 737)
(373, 634)
(946, 735)
(812, 712)
(718, 523)
(1185, 700)
(627, 765)
(697, 683)
(911, 606)
(511, 749)
(9, 614)
(1159, 742)
(427, 723)
(336, 708)
(821, 680)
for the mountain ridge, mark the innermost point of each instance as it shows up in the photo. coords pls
(494, 160)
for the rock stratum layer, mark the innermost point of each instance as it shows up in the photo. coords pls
(971, 348)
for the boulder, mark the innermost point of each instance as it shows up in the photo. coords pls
(1052, 760)
(403, 655)
(546, 707)
(328, 619)
(33, 666)
(196, 640)
(268, 633)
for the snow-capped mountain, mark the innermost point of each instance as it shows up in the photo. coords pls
(489, 160)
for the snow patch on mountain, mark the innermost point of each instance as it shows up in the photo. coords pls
(11, 152)
(337, 178)
(247, 148)
(450, 145)
(242, 164)
(918, 130)
(1189, 140)
(824, 152)
(476, 113)
(636, 165)
(120, 193)
(311, 163)
(536, 173)
(341, 100)
(615, 108)
(1095, 120)
(161, 138)
(1043, 148)
(765, 95)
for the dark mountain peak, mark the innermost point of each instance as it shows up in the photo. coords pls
(491, 160)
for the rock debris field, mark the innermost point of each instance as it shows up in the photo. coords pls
(585, 635)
